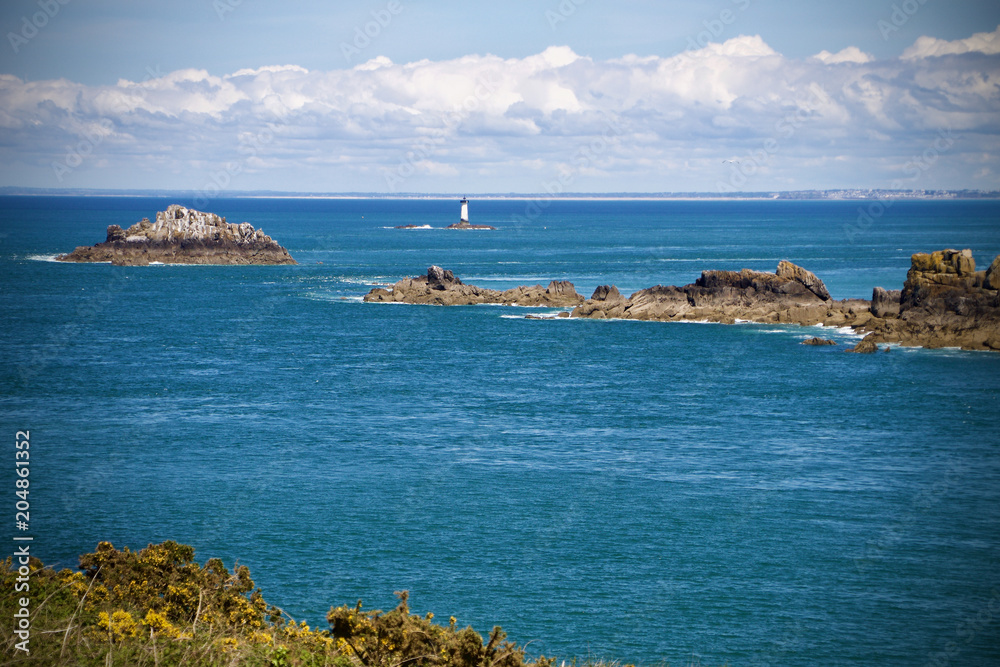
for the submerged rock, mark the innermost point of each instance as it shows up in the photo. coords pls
(866, 345)
(819, 341)
(183, 236)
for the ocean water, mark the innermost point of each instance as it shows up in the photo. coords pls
(647, 492)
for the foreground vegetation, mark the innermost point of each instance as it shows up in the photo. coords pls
(158, 607)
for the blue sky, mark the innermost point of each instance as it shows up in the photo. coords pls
(577, 95)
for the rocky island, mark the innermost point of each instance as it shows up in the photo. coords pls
(183, 236)
(945, 302)
(441, 288)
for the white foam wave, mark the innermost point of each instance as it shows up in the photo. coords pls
(328, 297)
(692, 322)
(520, 280)
(50, 258)
(377, 281)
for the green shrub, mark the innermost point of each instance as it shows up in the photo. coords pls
(158, 607)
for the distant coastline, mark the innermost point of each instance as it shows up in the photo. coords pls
(840, 194)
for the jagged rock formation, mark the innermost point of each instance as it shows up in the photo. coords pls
(183, 236)
(442, 288)
(944, 302)
(790, 295)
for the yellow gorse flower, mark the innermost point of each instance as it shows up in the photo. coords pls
(118, 625)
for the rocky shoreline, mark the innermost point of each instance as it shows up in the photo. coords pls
(944, 302)
(183, 236)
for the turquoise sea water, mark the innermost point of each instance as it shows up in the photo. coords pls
(626, 490)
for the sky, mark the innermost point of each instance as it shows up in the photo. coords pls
(411, 96)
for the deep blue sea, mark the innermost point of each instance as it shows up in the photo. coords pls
(646, 492)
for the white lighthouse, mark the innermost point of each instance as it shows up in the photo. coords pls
(465, 212)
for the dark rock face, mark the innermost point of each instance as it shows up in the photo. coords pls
(439, 279)
(808, 279)
(991, 279)
(183, 236)
(885, 303)
(441, 287)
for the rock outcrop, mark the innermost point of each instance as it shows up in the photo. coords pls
(606, 302)
(808, 279)
(440, 287)
(866, 345)
(183, 236)
(790, 295)
(944, 302)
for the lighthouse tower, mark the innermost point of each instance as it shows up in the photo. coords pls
(465, 212)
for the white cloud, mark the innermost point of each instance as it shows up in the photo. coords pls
(927, 47)
(851, 54)
(660, 123)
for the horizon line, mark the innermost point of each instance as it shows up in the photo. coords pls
(831, 194)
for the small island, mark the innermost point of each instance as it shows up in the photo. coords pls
(441, 288)
(183, 236)
(466, 225)
(463, 220)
